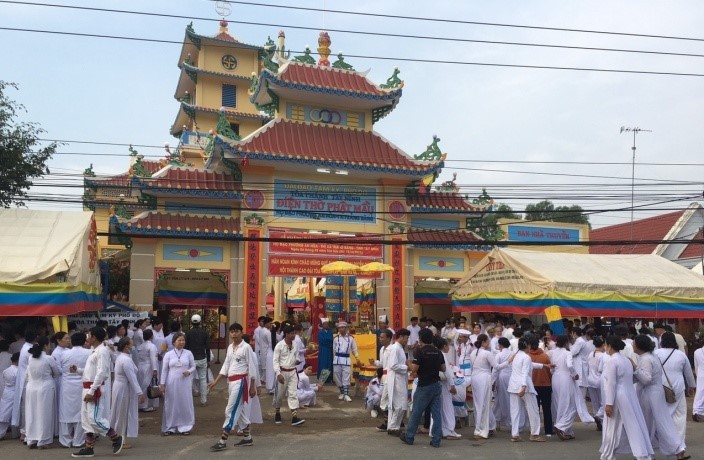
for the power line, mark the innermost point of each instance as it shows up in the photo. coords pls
(475, 23)
(385, 58)
(360, 32)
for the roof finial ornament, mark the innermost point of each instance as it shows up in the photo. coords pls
(324, 49)
(281, 51)
(340, 63)
(223, 9)
(305, 58)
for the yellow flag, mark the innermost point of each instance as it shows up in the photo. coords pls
(553, 313)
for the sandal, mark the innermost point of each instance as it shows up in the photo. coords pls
(169, 433)
(516, 439)
(185, 433)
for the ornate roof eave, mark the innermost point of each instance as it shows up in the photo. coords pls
(448, 240)
(230, 149)
(198, 40)
(194, 193)
(189, 111)
(135, 228)
(268, 83)
(119, 181)
(452, 247)
(229, 113)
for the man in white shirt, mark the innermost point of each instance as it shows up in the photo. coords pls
(414, 329)
(397, 382)
(298, 340)
(240, 369)
(260, 347)
(429, 324)
(343, 346)
(381, 363)
(95, 374)
(285, 361)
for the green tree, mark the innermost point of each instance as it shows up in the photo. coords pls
(21, 156)
(546, 211)
(486, 224)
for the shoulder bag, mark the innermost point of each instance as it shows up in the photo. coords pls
(669, 392)
(153, 390)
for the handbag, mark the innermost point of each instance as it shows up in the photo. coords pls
(669, 392)
(153, 390)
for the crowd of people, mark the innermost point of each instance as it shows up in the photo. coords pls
(79, 386)
(616, 380)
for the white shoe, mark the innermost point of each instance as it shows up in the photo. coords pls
(347, 398)
(340, 396)
(375, 414)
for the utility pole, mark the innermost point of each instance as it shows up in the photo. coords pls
(633, 167)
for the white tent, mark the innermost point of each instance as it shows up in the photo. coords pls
(528, 282)
(48, 263)
(699, 269)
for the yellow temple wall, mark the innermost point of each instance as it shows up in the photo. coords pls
(210, 58)
(437, 263)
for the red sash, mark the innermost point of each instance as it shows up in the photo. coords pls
(245, 384)
(97, 393)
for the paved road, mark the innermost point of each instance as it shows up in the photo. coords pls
(335, 430)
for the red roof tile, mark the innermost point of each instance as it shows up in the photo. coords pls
(303, 141)
(650, 229)
(445, 237)
(328, 77)
(124, 179)
(694, 249)
(164, 223)
(443, 200)
(193, 179)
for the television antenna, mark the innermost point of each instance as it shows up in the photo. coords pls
(223, 8)
(635, 131)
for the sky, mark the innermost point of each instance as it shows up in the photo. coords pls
(524, 134)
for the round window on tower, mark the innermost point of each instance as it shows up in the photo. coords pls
(229, 62)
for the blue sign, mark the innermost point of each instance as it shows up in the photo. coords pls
(331, 202)
(542, 234)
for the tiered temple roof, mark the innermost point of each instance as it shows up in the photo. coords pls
(346, 87)
(327, 146)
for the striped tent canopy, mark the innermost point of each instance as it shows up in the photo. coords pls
(629, 286)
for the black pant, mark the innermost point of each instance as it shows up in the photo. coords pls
(545, 402)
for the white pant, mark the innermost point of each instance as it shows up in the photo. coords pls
(530, 402)
(341, 376)
(395, 418)
(202, 372)
(71, 434)
(289, 386)
(234, 412)
(92, 419)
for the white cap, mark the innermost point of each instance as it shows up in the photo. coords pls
(195, 319)
(463, 332)
(342, 324)
(384, 318)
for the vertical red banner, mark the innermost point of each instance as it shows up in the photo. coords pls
(252, 274)
(396, 313)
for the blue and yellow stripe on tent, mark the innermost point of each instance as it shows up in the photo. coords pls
(48, 299)
(582, 304)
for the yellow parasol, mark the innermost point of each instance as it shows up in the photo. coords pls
(339, 267)
(375, 267)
